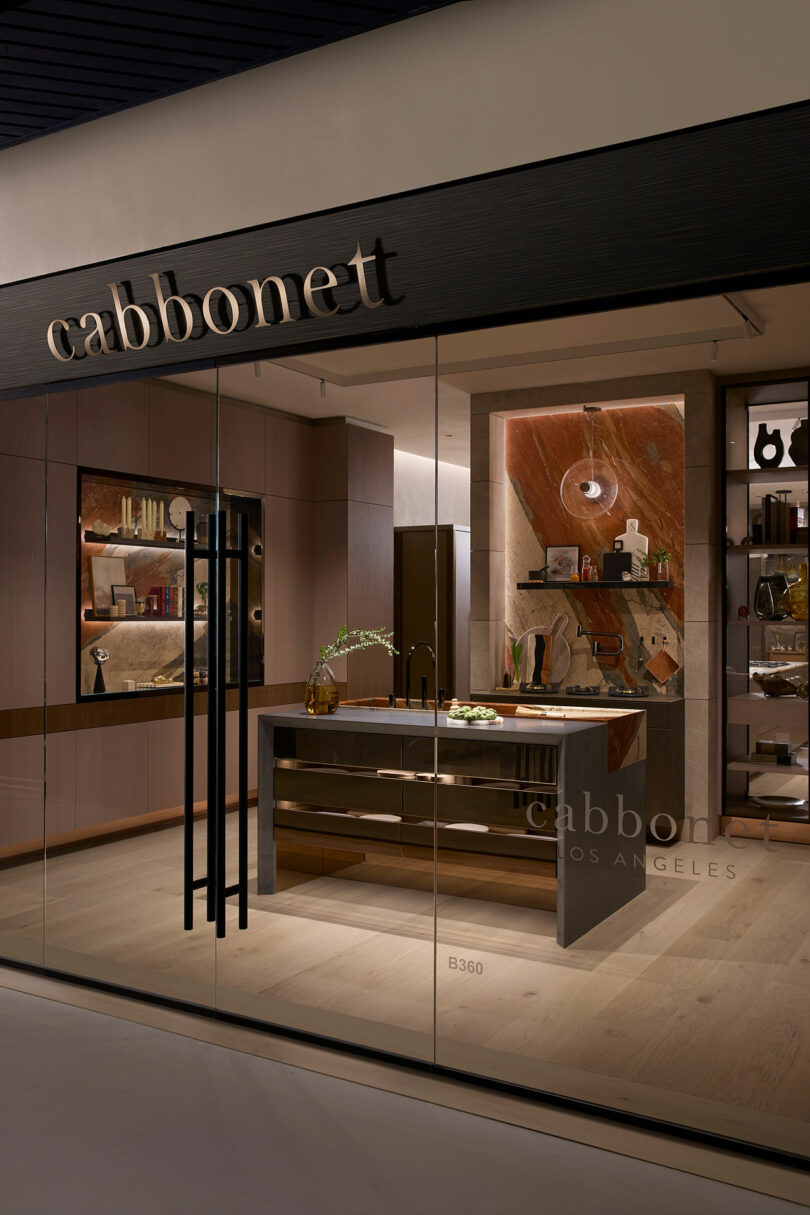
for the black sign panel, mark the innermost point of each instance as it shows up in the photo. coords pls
(681, 214)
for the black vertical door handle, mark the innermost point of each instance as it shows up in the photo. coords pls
(243, 716)
(220, 642)
(212, 707)
(188, 728)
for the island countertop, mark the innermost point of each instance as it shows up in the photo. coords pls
(423, 722)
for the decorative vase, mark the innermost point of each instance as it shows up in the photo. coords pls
(770, 597)
(321, 694)
(797, 595)
(798, 443)
(765, 439)
(659, 571)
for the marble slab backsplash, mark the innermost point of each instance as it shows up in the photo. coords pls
(645, 444)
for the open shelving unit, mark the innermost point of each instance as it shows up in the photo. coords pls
(752, 645)
(143, 662)
(629, 585)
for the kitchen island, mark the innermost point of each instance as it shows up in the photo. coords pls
(561, 798)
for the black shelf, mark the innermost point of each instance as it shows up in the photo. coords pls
(179, 546)
(90, 615)
(588, 586)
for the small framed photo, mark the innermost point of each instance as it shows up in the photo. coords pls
(562, 561)
(125, 595)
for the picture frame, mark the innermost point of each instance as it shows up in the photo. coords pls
(104, 572)
(562, 561)
(125, 595)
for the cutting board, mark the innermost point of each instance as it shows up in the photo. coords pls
(552, 634)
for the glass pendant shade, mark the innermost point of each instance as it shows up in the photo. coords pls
(589, 488)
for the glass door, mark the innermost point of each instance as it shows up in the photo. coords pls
(127, 462)
(25, 570)
(336, 452)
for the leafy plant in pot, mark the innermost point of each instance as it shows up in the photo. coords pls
(321, 695)
(657, 564)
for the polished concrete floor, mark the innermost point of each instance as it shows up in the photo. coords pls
(100, 1115)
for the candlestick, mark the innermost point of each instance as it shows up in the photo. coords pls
(123, 514)
(129, 513)
(160, 524)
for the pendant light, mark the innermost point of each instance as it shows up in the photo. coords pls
(590, 486)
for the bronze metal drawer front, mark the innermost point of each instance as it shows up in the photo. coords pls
(340, 747)
(337, 789)
(483, 757)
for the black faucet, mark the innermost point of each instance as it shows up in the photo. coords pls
(596, 646)
(414, 647)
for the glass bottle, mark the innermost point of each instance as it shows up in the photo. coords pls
(587, 569)
(797, 595)
(321, 695)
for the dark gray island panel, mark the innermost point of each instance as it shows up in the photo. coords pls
(544, 789)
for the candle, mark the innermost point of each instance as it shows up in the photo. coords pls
(143, 516)
(160, 525)
(129, 512)
(123, 513)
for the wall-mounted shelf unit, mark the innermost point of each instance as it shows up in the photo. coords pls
(752, 645)
(592, 586)
(116, 568)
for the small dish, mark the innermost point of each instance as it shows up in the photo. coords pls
(383, 818)
(467, 827)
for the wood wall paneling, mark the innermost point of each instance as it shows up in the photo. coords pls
(293, 566)
(113, 427)
(241, 447)
(290, 457)
(182, 435)
(22, 789)
(60, 609)
(22, 562)
(22, 427)
(112, 767)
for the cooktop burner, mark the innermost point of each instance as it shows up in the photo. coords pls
(546, 688)
(639, 691)
(578, 689)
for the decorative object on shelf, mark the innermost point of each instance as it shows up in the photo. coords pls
(100, 528)
(177, 513)
(633, 542)
(743, 611)
(797, 448)
(104, 572)
(797, 807)
(516, 650)
(797, 595)
(776, 685)
(657, 565)
(124, 597)
(202, 530)
(589, 487)
(548, 661)
(663, 666)
(588, 572)
(538, 575)
(140, 606)
(766, 439)
(99, 656)
(321, 694)
(615, 565)
(770, 596)
(126, 528)
(202, 590)
(562, 561)
(149, 519)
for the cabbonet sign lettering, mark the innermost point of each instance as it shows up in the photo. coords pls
(163, 314)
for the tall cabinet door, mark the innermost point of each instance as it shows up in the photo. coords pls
(127, 844)
(23, 565)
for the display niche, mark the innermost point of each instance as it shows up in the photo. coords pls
(131, 585)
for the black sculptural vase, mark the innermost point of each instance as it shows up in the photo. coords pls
(766, 439)
(770, 597)
(798, 444)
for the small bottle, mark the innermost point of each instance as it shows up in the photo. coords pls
(587, 569)
(797, 595)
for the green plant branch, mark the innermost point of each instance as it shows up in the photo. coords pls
(348, 641)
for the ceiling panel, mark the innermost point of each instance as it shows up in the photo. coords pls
(64, 62)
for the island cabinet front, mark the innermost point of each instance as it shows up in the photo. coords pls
(330, 796)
